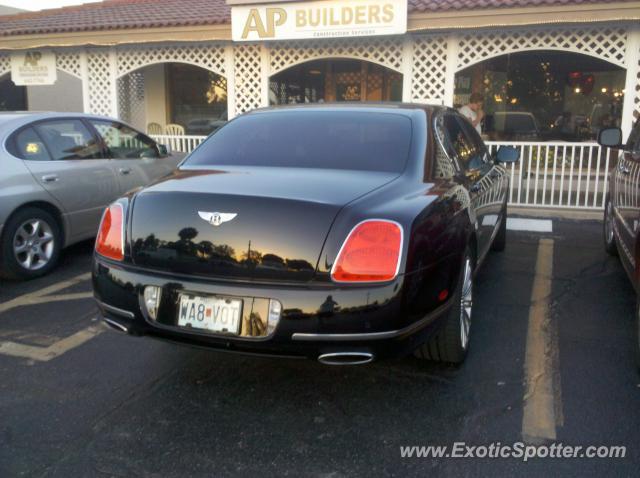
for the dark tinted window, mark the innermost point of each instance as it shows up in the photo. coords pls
(468, 149)
(478, 157)
(328, 140)
(28, 145)
(68, 139)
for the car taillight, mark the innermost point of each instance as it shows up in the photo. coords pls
(110, 241)
(371, 253)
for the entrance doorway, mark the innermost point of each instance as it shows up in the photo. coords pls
(335, 80)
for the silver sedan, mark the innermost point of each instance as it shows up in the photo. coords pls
(58, 171)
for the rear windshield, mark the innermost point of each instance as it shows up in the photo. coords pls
(304, 139)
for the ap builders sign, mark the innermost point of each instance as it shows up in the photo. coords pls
(33, 67)
(318, 19)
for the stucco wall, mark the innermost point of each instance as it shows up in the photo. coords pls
(65, 95)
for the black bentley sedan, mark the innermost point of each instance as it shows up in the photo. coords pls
(342, 233)
(622, 210)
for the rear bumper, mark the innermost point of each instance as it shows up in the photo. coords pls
(374, 320)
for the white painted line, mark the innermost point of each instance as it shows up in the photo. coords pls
(542, 393)
(489, 220)
(35, 297)
(44, 354)
(62, 297)
(529, 225)
(519, 224)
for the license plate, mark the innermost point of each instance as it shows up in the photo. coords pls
(210, 313)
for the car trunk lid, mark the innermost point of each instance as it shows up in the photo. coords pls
(282, 217)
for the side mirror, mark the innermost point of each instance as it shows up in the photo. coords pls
(610, 138)
(507, 154)
(164, 150)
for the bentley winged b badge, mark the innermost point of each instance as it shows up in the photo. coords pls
(216, 218)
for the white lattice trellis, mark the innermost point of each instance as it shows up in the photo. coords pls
(131, 99)
(606, 43)
(5, 64)
(385, 51)
(100, 83)
(636, 93)
(429, 67)
(247, 60)
(209, 56)
(69, 62)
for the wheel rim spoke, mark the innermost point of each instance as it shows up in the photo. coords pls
(35, 228)
(46, 238)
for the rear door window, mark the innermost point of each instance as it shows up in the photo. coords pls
(468, 150)
(123, 142)
(67, 139)
(368, 141)
(29, 146)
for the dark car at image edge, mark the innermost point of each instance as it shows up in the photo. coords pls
(622, 210)
(343, 233)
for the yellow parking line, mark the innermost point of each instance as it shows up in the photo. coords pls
(62, 297)
(44, 354)
(34, 297)
(541, 396)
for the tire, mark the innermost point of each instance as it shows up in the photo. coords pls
(608, 231)
(451, 342)
(30, 246)
(500, 241)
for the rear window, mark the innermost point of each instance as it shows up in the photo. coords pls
(325, 140)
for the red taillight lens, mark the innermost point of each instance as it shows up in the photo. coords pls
(110, 241)
(371, 253)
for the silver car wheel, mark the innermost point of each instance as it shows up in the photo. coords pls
(608, 223)
(33, 244)
(466, 303)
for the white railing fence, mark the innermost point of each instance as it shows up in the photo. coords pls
(549, 174)
(558, 174)
(180, 143)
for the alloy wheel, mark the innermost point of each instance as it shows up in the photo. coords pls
(466, 303)
(608, 223)
(33, 244)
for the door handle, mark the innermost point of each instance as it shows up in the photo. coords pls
(50, 178)
(124, 171)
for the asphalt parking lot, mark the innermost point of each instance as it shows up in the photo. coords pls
(551, 361)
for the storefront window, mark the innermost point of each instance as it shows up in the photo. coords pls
(197, 98)
(335, 80)
(544, 96)
(12, 97)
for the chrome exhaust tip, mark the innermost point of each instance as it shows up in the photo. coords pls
(346, 358)
(115, 325)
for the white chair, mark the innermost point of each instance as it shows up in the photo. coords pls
(173, 129)
(154, 128)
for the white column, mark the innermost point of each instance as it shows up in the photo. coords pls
(407, 69)
(265, 71)
(84, 72)
(452, 64)
(231, 81)
(113, 85)
(631, 83)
